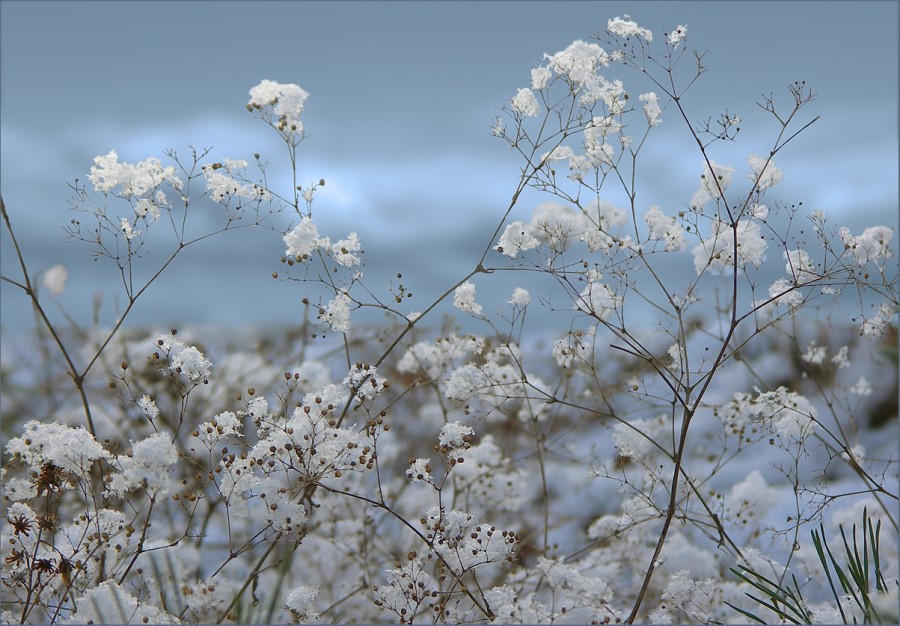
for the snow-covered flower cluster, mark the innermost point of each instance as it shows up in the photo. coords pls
(763, 172)
(55, 280)
(304, 239)
(651, 108)
(558, 226)
(287, 102)
(223, 183)
(525, 104)
(132, 180)
(872, 246)
(717, 252)
(337, 313)
(464, 299)
(785, 413)
(626, 27)
(665, 228)
(714, 180)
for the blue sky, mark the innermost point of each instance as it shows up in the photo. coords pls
(402, 97)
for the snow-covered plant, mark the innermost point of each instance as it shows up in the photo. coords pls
(588, 467)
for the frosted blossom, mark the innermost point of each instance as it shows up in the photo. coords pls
(520, 297)
(759, 211)
(814, 354)
(540, 77)
(364, 380)
(405, 589)
(463, 543)
(712, 184)
(784, 293)
(287, 101)
(343, 250)
(129, 231)
(54, 280)
(419, 470)
(717, 252)
(149, 467)
(625, 27)
(191, 363)
(499, 127)
(840, 358)
(72, 449)
(872, 245)
(300, 603)
(225, 424)
(597, 299)
(525, 104)
(464, 299)
(466, 381)
(792, 416)
(148, 407)
(222, 186)
(676, 353)
(579, 62)
(596, 146)
(559, 153)
(455, 435)
(862, 387)
(555, 225)
(665, 228)
(302, 239)
(132, 179)
(651, 108)
(765, 170)
(575, 347)
(876, 325)
(515, 239)
(148, 209)
(337, 313)
(738, 413)
(677, 35)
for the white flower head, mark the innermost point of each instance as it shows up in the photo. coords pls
(191, 363)
(302, 239)
(455, 435)
(677, 35)
(598, 299)
(713, 183)
(651, 108)
(55, 280)
(337, 313)
(516, 238)
(300, 603)
(464, 299)
(764, 170)
(525, 104)
(344, 249)
(540, 77)
(717, 252)
(287, 102)
(419, 470)
(132, 180)
(625, 27)
(579, 62)
(520, 297)
(665, 228)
